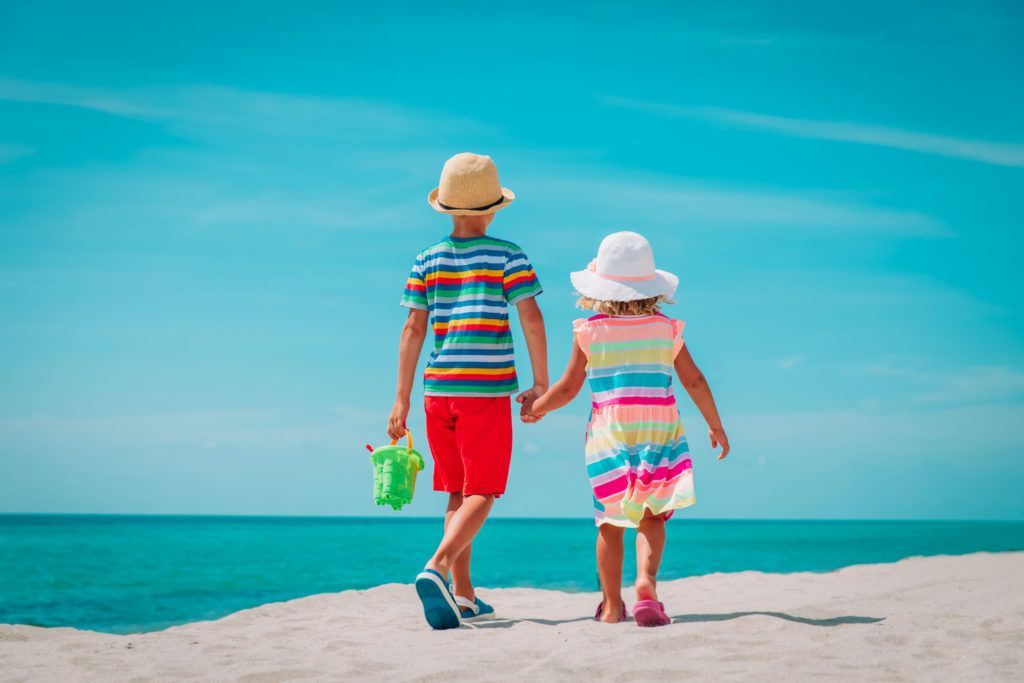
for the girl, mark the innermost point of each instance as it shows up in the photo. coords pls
(637, 457)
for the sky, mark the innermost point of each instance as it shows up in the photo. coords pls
(207, 212)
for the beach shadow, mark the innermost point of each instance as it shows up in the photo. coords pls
(696, 618)
(509, 623)
(833, 621)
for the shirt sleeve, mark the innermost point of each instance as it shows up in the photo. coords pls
(415, 293)
(520, 281)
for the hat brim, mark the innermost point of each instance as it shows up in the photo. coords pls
(591, 285)
(507, 197)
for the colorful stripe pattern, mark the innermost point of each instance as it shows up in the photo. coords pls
(467, 285)
(637, 455)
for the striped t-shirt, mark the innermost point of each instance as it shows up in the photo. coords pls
(467, 285)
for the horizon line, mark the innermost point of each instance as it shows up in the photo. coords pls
(412, 518)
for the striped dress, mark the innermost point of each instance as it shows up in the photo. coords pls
(637, 455)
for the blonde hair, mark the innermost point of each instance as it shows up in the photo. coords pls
(636, 307)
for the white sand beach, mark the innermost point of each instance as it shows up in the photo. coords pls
(950, 618)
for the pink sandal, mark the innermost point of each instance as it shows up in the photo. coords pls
(650, 613)
(600, 610)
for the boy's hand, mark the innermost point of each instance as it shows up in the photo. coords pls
(526, 413)
(527, 399)
(718, 438)
(534, 392)
(396, 421)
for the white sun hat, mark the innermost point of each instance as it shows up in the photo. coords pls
(624, 271)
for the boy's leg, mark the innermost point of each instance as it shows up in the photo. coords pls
(609, 568)
(483, 434)
(460, 531)
(650, 545)
(449, 474)
(461, 582)
(462, 517)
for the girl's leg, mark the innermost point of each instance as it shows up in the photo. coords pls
(609, 568)
(461, 583)
(650, 544)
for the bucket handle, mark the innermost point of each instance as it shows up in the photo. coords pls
(408, 437)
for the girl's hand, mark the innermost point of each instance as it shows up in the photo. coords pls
(540, 400)
(718, 438)
(396, 421)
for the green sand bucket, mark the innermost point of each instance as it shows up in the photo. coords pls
(394, 473)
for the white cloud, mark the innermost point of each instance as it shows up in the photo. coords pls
(263, 160)
(756, 41)
(976, 384)
(700, 204)
(10, 152)
(996, 153)
(789, 362)
(969, 385)
(939, 432)
(236, 430)
(209, 109)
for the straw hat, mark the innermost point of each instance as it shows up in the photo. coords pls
(469, 187)
(624, 271)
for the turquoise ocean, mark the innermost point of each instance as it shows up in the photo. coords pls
(123, 574)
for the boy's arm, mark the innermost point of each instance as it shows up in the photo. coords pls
(563, 391)
(532, 321)
(413, 333)
(697, 387)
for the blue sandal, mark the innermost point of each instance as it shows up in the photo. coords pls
(439, 606)
(475, 609)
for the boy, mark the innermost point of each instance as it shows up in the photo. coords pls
(465, 283)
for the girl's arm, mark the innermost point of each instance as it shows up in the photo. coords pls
(563, 391)
(697, 387)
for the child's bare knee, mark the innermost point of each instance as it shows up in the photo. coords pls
(480, 496)
(611, 531)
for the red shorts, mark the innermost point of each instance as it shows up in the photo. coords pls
(471, 442)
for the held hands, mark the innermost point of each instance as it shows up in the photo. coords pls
(527, 399)
(718, 438)
(396, 421)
